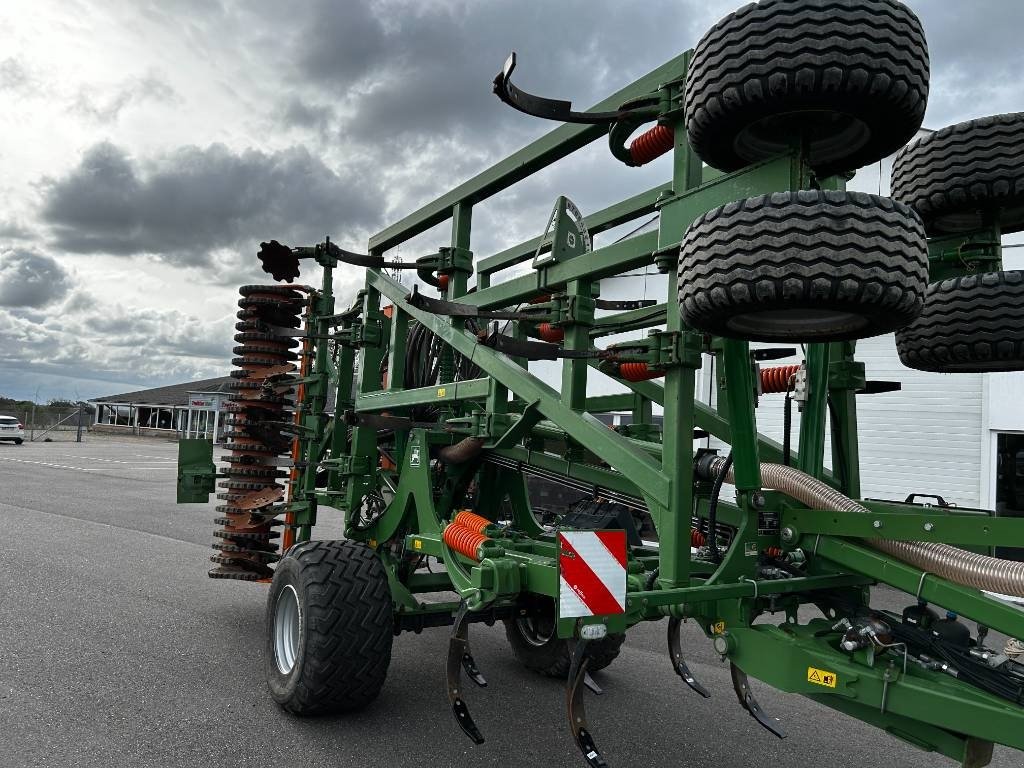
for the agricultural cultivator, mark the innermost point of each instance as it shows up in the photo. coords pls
(415, 415)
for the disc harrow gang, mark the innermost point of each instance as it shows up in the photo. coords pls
(262, 402)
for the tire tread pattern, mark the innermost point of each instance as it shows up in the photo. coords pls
(842, 251)
(349, 627)
(866, 58)
(965, 167)
(969, 324)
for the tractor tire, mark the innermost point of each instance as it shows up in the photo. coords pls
(803, 267)
(850, 76)
(329, 628)
(963, 174)
(537, 647)
(970, 324)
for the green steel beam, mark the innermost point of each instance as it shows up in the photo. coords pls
(581, 427)
(546, 150)
(711, 421)
(601, 221)
(470, 389)
(909, 526)
(604, 262)
(966, 601)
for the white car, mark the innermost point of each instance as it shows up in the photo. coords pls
(11, 429)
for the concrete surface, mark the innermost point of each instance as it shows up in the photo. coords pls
(117, 650)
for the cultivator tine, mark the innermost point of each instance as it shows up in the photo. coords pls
(749, 703)
(675, 652)
(459, 657)
(592, 685)
(577, 708)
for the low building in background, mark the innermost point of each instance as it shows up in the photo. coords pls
(192, 409)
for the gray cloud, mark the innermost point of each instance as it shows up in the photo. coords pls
(12, 229)
(14, 76)
(31, 279)
(190, 202)
(106, 105)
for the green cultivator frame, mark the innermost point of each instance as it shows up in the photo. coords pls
(418, 418)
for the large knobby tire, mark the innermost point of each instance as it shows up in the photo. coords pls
(803, 266)
(851, 76)
(963, 174)
(329, 628)
(969, 324)
(537, 647)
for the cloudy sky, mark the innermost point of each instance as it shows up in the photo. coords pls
(148, 147)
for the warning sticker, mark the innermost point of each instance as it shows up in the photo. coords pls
(718, 628)
(821, 677)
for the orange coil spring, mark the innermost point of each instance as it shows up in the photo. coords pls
(651, 144)
(464, 541)
(697, 538)
(442, 282)
(472, 521)
(548, 332)
(638, 372)
(775, 552)
(777, 379)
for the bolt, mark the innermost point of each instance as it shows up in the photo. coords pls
(788, 535)
(757, 500)
(876, 524)
(929, 526)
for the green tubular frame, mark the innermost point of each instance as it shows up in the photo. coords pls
(529, 424)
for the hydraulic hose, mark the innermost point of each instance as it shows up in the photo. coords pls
(957, 565)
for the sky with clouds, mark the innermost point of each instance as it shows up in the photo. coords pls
(148, 147)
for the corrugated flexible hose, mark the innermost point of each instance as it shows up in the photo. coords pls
(957, 565)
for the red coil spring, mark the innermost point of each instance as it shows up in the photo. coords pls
(777, 379)
(638, 372)
(773, 551)
(550, 333)
(472, 521)
(464, 541)
(697, 538)
(541, 299)
(442, 282)
(651, 144)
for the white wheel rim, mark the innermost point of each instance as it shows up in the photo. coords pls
(287, 625)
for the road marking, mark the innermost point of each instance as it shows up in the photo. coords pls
(54, 465)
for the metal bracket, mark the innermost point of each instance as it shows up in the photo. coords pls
(577, 709)
(741, 685)
(675, 653)
(460, 658)
(557, 109)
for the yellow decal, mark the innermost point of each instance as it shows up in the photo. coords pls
(718, 628)
(821, 677)
(417, 544)
(440, 391)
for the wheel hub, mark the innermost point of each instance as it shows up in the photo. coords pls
(287, 626)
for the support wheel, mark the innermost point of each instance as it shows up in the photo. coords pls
(969, 324)
(538, 648)
(850, 77)
(964, 175)
(803, 267)
(329, 628)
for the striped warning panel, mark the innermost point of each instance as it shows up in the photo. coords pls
(592, 573)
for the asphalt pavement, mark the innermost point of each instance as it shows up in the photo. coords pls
(117, 650)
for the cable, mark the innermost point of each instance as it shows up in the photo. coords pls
(716, 491)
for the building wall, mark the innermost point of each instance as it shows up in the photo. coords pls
(930, 437)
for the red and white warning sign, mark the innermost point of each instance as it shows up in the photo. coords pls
(592, 573)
